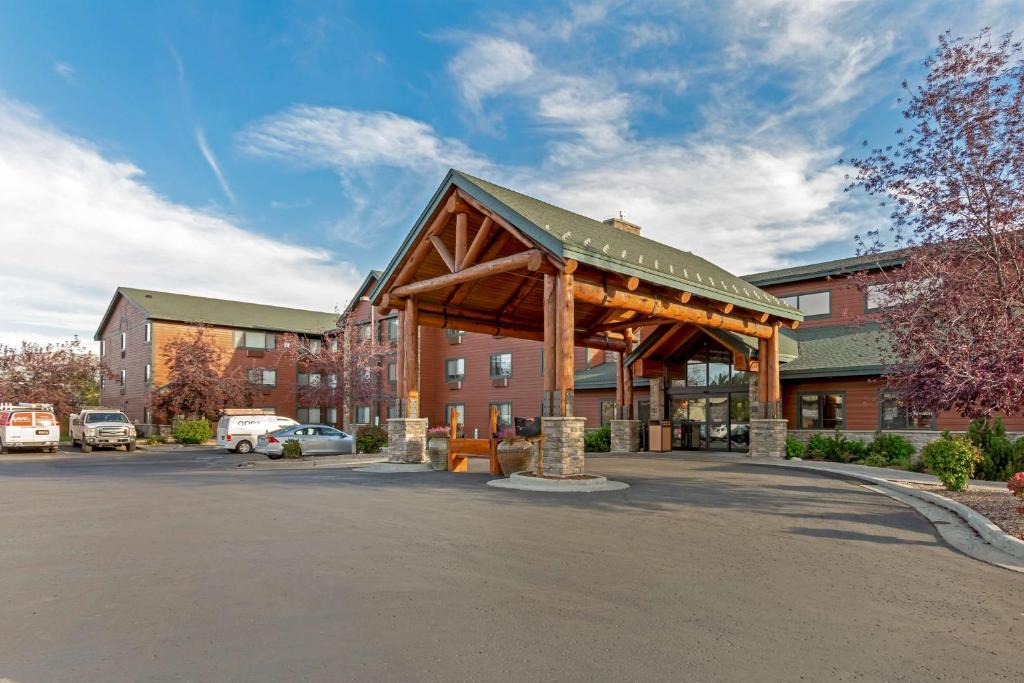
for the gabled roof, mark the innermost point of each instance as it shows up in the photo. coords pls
(837, 351)
(740, 343)
(844, 266)
(601, 376)
(203, 310)
(571, 236)
(372, 277)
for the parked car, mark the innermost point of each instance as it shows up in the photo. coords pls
(101, 428)
(28, 425)
(238, 433)
(313, 439)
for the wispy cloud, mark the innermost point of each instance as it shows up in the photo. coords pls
(72, 207)
(64, 70)
(490, 66)
(211, 161)
(649, 34)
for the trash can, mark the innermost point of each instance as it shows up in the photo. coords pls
(660, 436)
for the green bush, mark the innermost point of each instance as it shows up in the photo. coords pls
(874, 460)
(192, 431)
(156, 439)
(952, 459)
(836, 448)
(890, 450)
(1001, 457)
(598, 440)
(794, 448)
(292, 449)
(371, 439)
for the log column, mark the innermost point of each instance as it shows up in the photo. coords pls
(563, 433)
(768, 431)
(407, 435)
(625, 430)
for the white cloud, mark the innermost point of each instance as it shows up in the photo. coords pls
(77, 224)
(489, 66)
(674, 79)
(649, 34)
(64, 70)
(211, 160)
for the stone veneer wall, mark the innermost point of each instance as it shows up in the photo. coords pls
(767, 438)
(657, 398)
(625, 436)
(563, 445)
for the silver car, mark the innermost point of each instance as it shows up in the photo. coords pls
(314, 440)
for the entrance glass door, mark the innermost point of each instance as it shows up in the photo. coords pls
(717, 423)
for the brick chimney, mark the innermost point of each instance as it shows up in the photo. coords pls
(622, 224)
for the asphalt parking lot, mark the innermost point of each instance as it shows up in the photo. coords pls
(176, 565)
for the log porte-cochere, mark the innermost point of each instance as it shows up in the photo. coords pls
(485, 259)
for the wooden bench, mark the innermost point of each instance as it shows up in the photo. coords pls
(460, 450)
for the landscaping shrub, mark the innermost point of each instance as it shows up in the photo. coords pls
(192, 431)
(292, 449)
(156, 439)
(371, 439)
(1016, 486)
(794, 448)
(598, 440)
(952, 459)
(836, 448)
(1001, 457)
(889, 449)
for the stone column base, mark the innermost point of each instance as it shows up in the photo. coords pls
(563, 445)
(407, 439)
(625, 436)
(768, 438)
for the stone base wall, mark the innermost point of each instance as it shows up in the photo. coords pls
(407, 440)
(768, 438)
(625, 436)
(919, 438)
(563, 445)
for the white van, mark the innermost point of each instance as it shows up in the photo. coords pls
(28, 425)
(238, 432)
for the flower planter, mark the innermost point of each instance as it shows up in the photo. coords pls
(437, 449)
(515, 455)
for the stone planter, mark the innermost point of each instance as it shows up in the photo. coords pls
(515, 455)
(437, 449)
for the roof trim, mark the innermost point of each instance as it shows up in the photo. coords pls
(815, 271)
(98, 336)
(357, 295)
(852, 371)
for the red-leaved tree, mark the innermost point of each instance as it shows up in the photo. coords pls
(954, 183)
(199, 384)
(64, 374)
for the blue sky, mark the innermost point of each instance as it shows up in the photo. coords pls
(276, 151)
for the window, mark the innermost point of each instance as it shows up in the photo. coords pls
(314, 379)
(124, 340)
(393, 410)
(332, 416)
(388, 330)
(363, 415)
(821, 411)
(103, 348)
(393, 372)
(308, 379)
(363, 332)
(145, 416)
(308, 415)
(812, 304)
(504, 414)
(895, 414)
(607, 412)
(455, 369)
(460, 413)
(453, 334)
(148, 375)
(254, 340)
(103, 381)
(314, 345)
(878, 297)
(332, 380)
(501, 365)
(263, 377)
(334, 344)
(148, 332)
(124, 375)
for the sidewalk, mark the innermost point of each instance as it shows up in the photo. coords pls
(876, 472)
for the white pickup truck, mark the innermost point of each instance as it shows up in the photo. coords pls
(102, 428)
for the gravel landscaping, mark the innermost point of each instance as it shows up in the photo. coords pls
(996, 504)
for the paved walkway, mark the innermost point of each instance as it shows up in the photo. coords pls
(878, 472)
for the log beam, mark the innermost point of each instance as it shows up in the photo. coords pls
(645, 367)
(477, 246)
(615, 297)
(461, 235)
(463, 290)
(477, 326)
(494, 217)
(422, 249)
(442, 251)
(530, 260)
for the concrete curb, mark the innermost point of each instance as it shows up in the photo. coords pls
(520, 482)
(985, 528)
(395, 467)
(305, 464)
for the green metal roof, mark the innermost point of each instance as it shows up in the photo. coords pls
(206, 311)
(373, 275)
(601, 377)
(572, 236)
(844, 266)
(841, 350)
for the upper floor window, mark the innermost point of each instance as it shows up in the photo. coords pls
(148, 374)
(251, 339)
(332, 380)
(147, 332)
(501, 364)
(895, 414)
(388, 329)
(263, 376)
(334, 344)
(124, 377)
(878, 297)
(455, 369)
(363, 332)
(103, 348)
(393, 372)
(314, 345)
(124, 340)
(812, 304)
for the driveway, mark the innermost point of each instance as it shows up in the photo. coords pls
(176, 565)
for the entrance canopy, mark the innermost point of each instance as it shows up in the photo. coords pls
(483, 258)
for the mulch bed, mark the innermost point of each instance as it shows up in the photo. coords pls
(998, 505)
